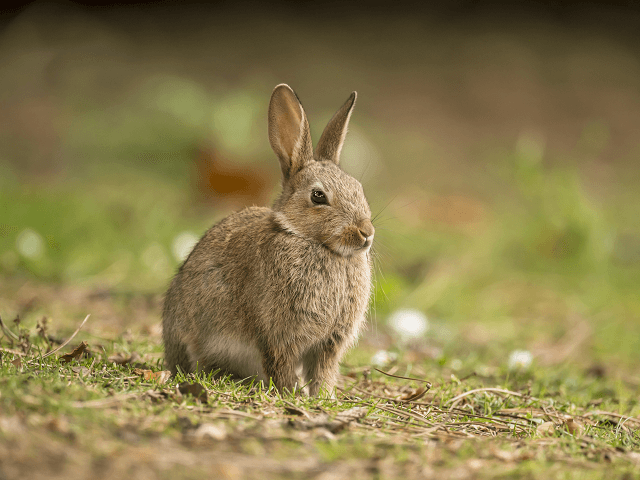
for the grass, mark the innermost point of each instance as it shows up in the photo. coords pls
(93, 415)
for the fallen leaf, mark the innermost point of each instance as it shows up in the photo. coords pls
(76, 354)
(546, 429)
(414, 394)
(194, 389)
(292, 409)
(160, 377)
(210, 430)
(83, 371)
(573, 427)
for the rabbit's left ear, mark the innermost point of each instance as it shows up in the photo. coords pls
(332, 138)
(289, 133)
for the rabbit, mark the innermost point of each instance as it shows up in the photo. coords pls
(269, 292)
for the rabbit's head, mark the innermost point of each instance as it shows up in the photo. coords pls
(319, 202)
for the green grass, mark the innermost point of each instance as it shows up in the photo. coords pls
(94, 410)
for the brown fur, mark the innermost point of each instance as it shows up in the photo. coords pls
(268, 290)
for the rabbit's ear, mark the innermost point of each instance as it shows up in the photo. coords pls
(332, 138)
(289, 131)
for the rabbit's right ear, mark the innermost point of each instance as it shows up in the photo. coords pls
(289, 133)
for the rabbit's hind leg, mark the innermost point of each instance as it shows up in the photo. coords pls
(177, 357)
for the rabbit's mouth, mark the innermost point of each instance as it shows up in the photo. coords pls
(367, 243)
(354, 240)
(350, 250)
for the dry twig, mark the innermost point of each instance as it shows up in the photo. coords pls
(64, 344)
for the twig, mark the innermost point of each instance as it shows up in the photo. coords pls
(404, 413)
(395, 400)
(612, 414)
(427, 383)
(15, 352)
(454, 401)
(8, 331)
(64, 344)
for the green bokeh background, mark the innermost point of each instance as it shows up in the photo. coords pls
(502, 153)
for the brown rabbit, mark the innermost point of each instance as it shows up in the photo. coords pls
(268, 290)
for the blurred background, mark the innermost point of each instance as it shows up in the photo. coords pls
(500, 145)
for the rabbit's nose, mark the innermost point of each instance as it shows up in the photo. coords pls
(365, 227)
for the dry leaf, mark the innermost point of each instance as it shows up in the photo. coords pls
(413, 395)
(292, 409)
(84, 371)
(573, 427)
(546, 429)
(76, 354)
(160, 377)
(17, 363)
(210, 430)
(195, 389)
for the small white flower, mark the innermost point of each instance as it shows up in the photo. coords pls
(382, 358)
(183, 243)
(30, 244)
(409, 323)
(520, 360)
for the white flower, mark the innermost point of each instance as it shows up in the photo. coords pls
(183, 243)
(520, 360)
(382, 358)
(409, 323)
(30, 244)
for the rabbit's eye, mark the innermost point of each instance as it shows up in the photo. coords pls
(318, 197)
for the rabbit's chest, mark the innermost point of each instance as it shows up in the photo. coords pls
(323, 298)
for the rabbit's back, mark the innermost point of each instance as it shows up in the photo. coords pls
(204, 314)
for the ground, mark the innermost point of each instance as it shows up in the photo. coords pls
(109, 411)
